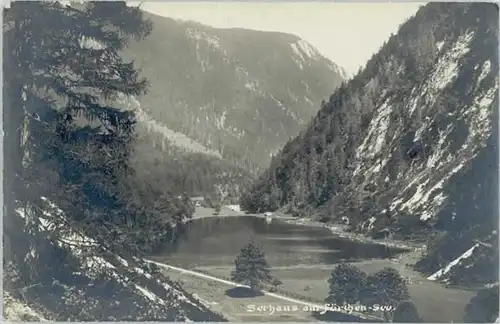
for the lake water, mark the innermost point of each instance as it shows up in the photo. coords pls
(217, 241)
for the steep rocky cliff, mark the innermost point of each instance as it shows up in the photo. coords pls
(408, 147)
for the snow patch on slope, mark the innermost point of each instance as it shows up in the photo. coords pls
(339, 70)
(221, 120)
(441, 272)
(478, 115)
(90, 43)
(304, 51)
(446, 69)
(424, 193)
(213, 43)
(86, 250)
(485, 70)
(375, 139)
(307, 49)
(198, 35)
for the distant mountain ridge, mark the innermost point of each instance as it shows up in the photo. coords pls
(240, 92)
(408, 147)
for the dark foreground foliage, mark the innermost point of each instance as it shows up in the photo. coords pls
(69, 207)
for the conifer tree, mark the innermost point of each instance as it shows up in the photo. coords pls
(252, 268)
(64, 138)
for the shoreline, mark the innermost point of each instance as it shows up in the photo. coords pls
(340, 232)
(335, 229)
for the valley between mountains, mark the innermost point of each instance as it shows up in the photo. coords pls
(165, 170)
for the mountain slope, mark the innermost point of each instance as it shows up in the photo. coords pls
(148, 125)
(67, 206)
(166, 166)
(242, 93)
(172, 162)
(409, 145)
(93, 282)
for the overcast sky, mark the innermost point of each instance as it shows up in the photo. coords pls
(346, 33)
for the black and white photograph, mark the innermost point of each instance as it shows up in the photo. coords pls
(258, 161)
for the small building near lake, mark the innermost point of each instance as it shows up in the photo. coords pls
(197, 201)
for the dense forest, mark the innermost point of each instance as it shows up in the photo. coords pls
(70, 203)
(404, 145)
(162, 165)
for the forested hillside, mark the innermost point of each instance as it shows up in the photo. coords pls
(75, 227)
(161, 164)
(168, 161)
(242, 93)
(408, 146)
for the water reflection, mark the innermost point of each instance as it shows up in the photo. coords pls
(216, 241)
